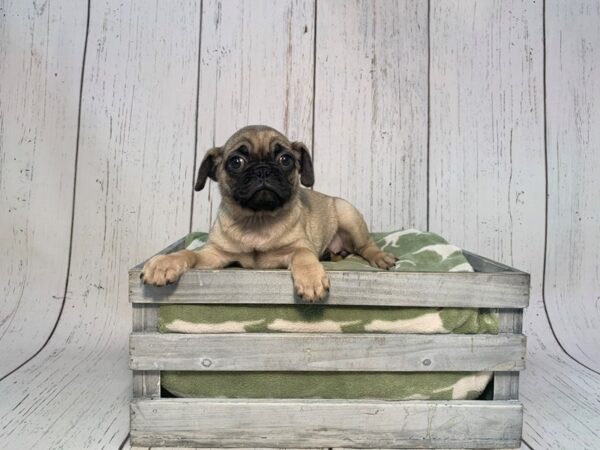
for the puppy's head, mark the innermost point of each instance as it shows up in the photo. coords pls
(258, 168)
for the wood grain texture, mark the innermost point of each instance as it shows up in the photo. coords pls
(41, 51)
(560, 397)
(486, 135)
(256, 67)
(370, 136)
(132, 196)
(506, 383)
(326, 423)
(486, 290)
(487, 185)
(572, 289)
(128, 446)
(145, 383)
(483, 264)
(486, 181)
(326, 352)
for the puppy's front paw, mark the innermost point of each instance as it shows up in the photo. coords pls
(311, 283)
(163, 269)
(382, 260)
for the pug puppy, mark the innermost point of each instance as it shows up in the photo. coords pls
(266, 220)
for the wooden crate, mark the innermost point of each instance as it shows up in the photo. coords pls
(309, 423)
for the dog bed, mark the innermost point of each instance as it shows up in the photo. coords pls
(416, 251)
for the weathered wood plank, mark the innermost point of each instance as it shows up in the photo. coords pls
(506, 384)
(144, 317)
(572, 287)
(483, 264)
(326, 423)
(560, 396)
(145, 383)
(132, 195)
(327, 352)
(486, 175)
(486, 290)
(128, 446)
(256, 67)
(41, 51)
(370, 135)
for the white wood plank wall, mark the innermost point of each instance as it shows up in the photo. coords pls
(474, 119)
(41, 52)
(370, 133)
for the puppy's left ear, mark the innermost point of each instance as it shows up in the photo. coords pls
(307, 173)
(208, 168)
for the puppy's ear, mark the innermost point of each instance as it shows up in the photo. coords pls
(307, 174)
(208, 168)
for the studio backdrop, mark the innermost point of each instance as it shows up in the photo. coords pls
(477, 120)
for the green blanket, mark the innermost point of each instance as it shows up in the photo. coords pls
(416, 252)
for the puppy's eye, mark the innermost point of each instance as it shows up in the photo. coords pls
(235, 163)
(286, 161)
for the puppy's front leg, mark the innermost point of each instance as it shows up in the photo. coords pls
(310, 279)
(165, 269)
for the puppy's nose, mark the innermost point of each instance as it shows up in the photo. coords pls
(262, 172)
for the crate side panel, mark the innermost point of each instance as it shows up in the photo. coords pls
(327, 352)
(320, 423)
(506, 383)
(484, 290)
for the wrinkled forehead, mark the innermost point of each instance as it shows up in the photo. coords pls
(259, 142)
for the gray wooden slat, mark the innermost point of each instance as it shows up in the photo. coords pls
(523, 447)
(483, 264)
(326, 352)
(127, 446)
(486, 290)
(506, 384)
(325, 423)
(145, 383)
(154, 447)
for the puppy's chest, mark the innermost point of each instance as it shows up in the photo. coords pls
(262, 251)
(257, 243)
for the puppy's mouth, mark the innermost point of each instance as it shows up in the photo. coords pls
(262, 198)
